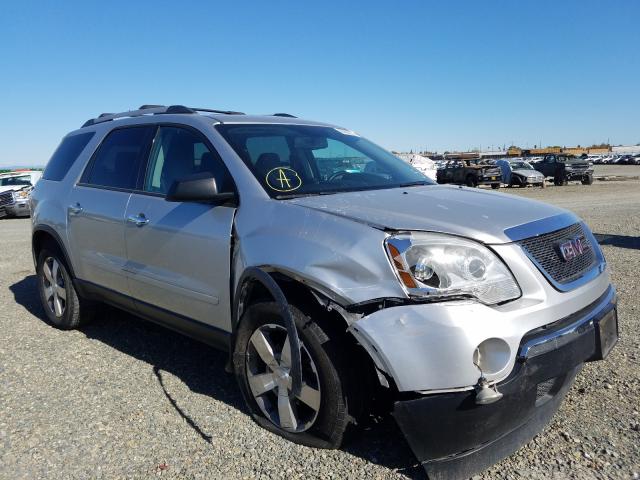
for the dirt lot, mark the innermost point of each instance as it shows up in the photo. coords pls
(125, 399)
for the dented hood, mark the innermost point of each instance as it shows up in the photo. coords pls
(469, 212)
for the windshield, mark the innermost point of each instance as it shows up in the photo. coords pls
(24, 180)
(295, 160)
(521, 166)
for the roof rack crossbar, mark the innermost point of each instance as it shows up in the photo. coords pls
(131, 113)
(153, 110)
(284, 115)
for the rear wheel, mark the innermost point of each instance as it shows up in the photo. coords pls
(319, 415)
(62, 305)
(495, 186)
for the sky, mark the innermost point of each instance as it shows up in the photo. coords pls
(409, 75)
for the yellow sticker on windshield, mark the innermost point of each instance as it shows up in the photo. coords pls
(283, 179)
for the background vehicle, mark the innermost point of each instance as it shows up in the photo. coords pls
(517, 172)
(565, 168)
(14, 192)
(335, 274)
(471, 173)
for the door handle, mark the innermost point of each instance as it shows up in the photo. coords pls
(75, 209)
(140, 220)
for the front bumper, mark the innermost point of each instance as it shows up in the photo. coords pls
(489, 179)
(18, 209)
(454, 438)
(577, 174)
(531, 180)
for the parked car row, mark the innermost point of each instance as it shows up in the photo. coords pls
(516, 172)
(15, 188)
(615, 159)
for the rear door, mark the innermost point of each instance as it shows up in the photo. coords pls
(97, 205)
(179, 253)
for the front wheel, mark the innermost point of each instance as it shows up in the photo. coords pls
(587, 180)
(319, 415)
(471, 181)
(495, 186)
(559, 179)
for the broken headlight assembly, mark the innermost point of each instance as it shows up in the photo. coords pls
(438, 266)
(20, 195)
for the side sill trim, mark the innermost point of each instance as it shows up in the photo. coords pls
(203, 332)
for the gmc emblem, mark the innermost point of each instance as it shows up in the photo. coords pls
(572, 248)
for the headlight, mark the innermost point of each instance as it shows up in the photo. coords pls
(20, 195)
(439, 266)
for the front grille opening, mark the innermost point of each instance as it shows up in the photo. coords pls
(544, 250)
(545, 391)
(6, 199)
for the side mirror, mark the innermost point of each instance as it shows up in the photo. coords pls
(200, 187)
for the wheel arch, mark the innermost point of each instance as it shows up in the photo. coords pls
(256, 287)
(43, 235)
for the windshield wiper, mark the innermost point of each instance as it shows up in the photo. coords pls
(414, 184)
(299, 195)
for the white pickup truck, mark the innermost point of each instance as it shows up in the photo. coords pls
(14, 192)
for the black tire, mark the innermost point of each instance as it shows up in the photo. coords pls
(495, 186)
(75, 311)
(559, 179)
(587, 180)
(333, 417)
(471, 181)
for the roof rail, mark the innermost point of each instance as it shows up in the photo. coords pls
(226, 112)
(284, 115)
(153, 110)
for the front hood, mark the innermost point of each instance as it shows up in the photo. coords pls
(527, 173)
(576, 164)
(9, 188)
(469, 212)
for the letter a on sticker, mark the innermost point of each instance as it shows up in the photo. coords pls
(283, 179)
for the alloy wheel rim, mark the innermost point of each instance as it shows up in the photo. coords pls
(55, 292)
(268, 367)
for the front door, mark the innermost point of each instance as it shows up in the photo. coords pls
(178, 253)
(97, 204)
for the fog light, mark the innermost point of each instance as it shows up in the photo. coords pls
(492, 356)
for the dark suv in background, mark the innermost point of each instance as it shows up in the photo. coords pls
(566, 168)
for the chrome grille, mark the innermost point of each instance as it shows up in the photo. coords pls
(6, 198)
(544, 250)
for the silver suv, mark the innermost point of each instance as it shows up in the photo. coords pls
(337, 276)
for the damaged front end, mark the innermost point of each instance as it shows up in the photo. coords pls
(454, 437)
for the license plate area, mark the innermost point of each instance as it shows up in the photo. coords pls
(606, 334)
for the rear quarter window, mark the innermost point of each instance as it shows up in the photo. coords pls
(65, 155)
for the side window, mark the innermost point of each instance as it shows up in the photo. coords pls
(65, 155)
(178, 153)
(117, 162)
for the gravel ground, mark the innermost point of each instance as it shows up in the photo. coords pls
(125, 399)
